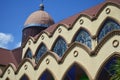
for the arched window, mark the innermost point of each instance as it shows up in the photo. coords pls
(75, 73)
(111, 70)
(67, 77)
(42, 49)
(46, 76)
(108, 26)
(28, 54)
(83, 37)
(7, 79)
(60, 46)
(24, 77)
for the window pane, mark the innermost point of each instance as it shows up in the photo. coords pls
(60, 46)
(84, 37)
(28, 54)
(24, 77)
(108, 26)
(46, 76)
(75, 73)
(110, 69)
(41, 50)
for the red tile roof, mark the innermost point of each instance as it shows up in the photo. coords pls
(69, 21)
(91, 13)
(8, 56)
(17, 54)
(114, 1)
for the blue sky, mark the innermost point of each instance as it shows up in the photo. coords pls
(13, 14)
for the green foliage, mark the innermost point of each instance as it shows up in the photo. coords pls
(115, 68)
(84, 77)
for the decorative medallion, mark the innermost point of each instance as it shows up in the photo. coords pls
(29, 42)
(25, 67)
(59, 30)
(115, 43)
(75, 54)
(8, 71)
(81, 21)
(108, 10)
(47, 61)
(42, 37)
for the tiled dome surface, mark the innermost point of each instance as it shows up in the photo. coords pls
(39, 17)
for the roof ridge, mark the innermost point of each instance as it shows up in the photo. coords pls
(13, 56)
(15, 49)
(5, 49)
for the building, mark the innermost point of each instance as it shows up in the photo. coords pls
(81, 47)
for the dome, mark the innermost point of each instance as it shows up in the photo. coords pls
(39, 18)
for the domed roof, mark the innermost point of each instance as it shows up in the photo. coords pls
(39, 18)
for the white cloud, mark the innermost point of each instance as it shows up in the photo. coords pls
(5, 39)
(18, 44)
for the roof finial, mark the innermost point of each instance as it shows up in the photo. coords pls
(42, 5)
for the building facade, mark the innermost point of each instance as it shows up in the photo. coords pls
(81, 47)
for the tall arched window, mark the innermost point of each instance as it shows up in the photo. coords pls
(24, 77)
(83, 37)
(75, 73)
(60, 46)
(7, 79)
(108, 26)
(42, 49)
(110, 70)
(28, 54)
(46, 76)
